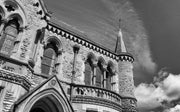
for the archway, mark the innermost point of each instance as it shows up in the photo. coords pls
(47, 104)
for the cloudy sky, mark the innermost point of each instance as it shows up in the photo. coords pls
(151, 30)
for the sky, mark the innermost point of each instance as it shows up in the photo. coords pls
(151, 30)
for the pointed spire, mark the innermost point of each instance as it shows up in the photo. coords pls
(120, 46)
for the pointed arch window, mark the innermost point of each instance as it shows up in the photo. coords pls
(110, 77)
(49, 58)
(109, 81)
(88, 72)
(99, 75)
(9, 35)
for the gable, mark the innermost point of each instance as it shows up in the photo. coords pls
(50, 89)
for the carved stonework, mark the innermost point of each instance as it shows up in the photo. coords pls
(24, 47)
(8, 101)
(33, 79)
(14, 78)
(129, 105)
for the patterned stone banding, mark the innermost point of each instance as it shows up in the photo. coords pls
(96, 96)
(96, 101)
(80, 39)
(14, 78)
(126, 57)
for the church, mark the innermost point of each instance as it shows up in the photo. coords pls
(47, 67)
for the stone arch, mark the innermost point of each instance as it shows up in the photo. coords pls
(101, 60)
(111, 67)
(88, 72)
(18, 18)
(52, 52)
(54, 40)
(48, 100)
(11, 3)
(2, 13)
(18, 13)
(91, 57)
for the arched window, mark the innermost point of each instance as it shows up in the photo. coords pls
(88, 72)
(110, 83)
(49, 57)
(99, 75)
(9, 36)
(108, 80)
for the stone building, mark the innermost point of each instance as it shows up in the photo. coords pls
(45, 67)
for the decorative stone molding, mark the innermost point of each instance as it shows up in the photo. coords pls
(96, 96)
(129, 105)
(14, 78)
(126, 57)
(80, 40)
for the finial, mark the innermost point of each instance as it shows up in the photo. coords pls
(120, 23)
(120, 41)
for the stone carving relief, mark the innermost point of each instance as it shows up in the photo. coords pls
(8, 101)
(33, 79)
(129, 105)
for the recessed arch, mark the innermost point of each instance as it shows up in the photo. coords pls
(91, 57)
(101, 60)
(17, 17)
(11, 3)
(111, 67)
(47, 101)
(54, 40)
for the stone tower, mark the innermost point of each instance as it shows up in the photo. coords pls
(125, 71)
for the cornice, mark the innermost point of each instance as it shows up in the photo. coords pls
(80, 39)
(83, 40)
(96, 101)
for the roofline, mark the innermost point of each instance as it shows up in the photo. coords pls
(44, 8)
(84, 37)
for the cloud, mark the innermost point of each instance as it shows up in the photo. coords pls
(148, 96)
(174, 109)
(165, 92)
(135, 35)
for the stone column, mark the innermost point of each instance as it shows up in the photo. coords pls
(104, 81)
(94, 66)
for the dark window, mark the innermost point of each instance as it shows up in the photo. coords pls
(48, 60)
(8, 37)
(108, 81)
(88, 73)
(98, 77)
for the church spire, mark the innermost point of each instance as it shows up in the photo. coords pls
(120, 46)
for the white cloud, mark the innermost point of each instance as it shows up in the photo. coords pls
(151, 96)
(148, 96)
(175, 109)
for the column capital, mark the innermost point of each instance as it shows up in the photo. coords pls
(94, 63)
(104, 67)
(76, 48)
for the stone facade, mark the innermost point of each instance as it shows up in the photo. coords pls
(44, 66)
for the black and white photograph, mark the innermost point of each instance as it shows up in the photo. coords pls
(89, 56)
